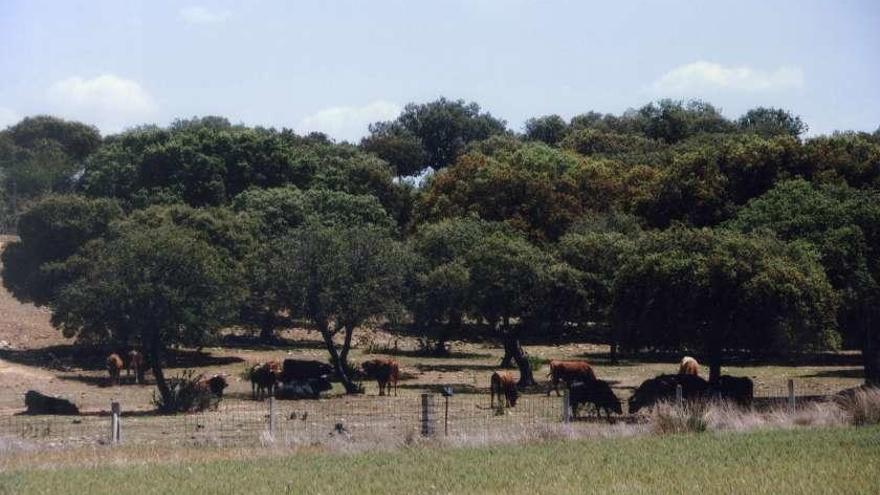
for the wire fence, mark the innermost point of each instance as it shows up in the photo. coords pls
(358, 418)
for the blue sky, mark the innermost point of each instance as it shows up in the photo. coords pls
(334, 66)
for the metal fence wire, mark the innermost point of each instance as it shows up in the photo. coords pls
(357, 418)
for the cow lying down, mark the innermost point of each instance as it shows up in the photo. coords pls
(309, 388)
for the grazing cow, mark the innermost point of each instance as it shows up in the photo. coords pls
(136, 363)
(298, 369)
(114, 367)
(264, 379)
(503, 382)
(385, 371)
(215, 384)
(568, 372)
(310, 388)
(689, 366)
(663, 388)
(596, 392)
(738, 389)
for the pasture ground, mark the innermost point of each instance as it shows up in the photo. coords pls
(830, 460)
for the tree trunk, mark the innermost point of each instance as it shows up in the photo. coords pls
(155, 357)
(336, 359)
(518, 354)
(346, 344)
(267, 329)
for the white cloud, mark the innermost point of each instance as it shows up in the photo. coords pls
(349, 123)
(108, 101)
(709, 76)
(196, 14)
(8, 117)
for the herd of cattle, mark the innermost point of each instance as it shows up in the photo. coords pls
(302, 379)
(584, 388)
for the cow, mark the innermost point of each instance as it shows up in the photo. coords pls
(264, 379)
(309, 388)
(114, 367)
(298, 369)
(136, 363)
(596, 392)
(214, 384)
(503, 383)
(689, 366)
(568, 372)
(39, 403)
(738, 389)
(663, 388)
(385, 371)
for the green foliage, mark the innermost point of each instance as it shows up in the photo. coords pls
(550, 129)
(770, 122)
(186, 395)
(398, 146)
(717, 290)
(159, 285)
(50, 232)
(443, 127)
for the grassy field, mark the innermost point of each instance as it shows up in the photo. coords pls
(835, 460)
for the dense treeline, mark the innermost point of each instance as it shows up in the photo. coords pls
(666, 227)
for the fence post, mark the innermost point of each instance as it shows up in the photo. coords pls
(272, 415)
(679, 399)
(115, 424)
(791, 401)
(566, 405)
(427, 415)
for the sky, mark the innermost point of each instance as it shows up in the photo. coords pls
(336, 66)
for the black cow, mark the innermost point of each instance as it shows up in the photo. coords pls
(596, 392)
(38, 403)
(298, 369)
(738, 389)
(663, 388)
(309, 388)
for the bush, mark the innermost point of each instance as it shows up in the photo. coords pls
(861, 405)
(186, 395)
(667, 418)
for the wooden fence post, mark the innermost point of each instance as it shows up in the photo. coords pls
(427, 415)
(272, 415)
(791, 400)
(566, 405)
(679, 396)
(115, 423)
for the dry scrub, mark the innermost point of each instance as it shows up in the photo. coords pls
(857, 407)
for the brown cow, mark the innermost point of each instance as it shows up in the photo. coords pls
(114, 367)
(568, 372)
(689, 366)
(136, 363)
(385, 371)
(264, 379)
(215, 384)
(503, 382)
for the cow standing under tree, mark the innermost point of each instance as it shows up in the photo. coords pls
(689, 366)
(136, 363)
(114, 367)
(385, 371)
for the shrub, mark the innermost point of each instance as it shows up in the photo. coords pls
(861, 405)
(667, 418)
(186, 395)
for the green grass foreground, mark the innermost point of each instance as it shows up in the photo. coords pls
(841, 460)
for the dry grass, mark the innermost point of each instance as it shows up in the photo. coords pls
(862, 406)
